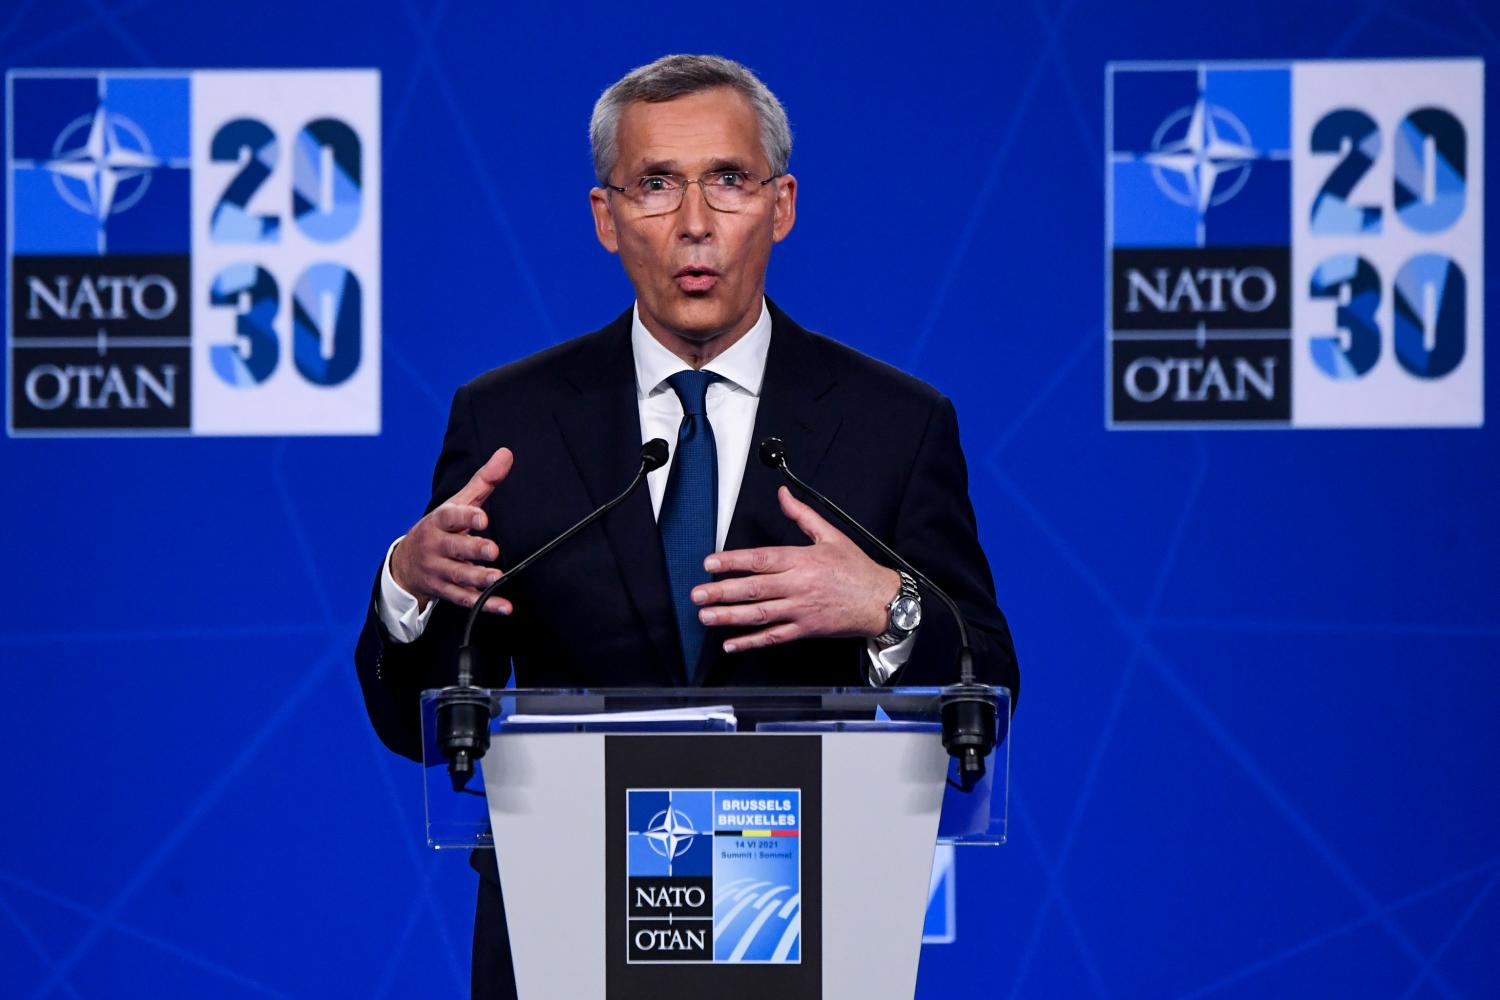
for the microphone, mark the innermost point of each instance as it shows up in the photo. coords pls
(968, 709)
(463, 710)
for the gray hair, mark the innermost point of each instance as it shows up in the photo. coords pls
(678, 76)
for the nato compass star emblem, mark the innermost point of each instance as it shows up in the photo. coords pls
(670, 833)
(101, 164)
(1207, 162)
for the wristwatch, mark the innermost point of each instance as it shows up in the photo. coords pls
(904, 613)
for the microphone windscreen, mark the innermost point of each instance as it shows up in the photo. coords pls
(772, 452)
(654, 454)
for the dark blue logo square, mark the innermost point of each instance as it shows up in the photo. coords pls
(100, 164)
(1201, 157)
(670, 833)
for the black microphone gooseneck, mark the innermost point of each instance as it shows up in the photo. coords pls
(463, 710)
(968, 709)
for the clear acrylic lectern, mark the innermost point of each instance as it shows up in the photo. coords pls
(745, 841)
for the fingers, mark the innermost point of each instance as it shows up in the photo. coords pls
(460, 583)
(440, 560)
(468, 575)
(777, 559)
(773, 636)
(468, 548)
(459, 517)
(746, 588)
(742, 615)
(465, 597)
(804, 517)
(489, 475)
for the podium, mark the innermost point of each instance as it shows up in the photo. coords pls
(725, 842)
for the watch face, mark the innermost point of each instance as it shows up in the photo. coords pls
(906, 615)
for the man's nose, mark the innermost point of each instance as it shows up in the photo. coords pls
(695, 219)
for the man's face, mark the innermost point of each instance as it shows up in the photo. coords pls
(698, 273)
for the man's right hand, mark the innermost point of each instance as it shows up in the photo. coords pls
(437, 560)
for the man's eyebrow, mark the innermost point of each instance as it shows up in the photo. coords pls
(659, 167)
(674, 167)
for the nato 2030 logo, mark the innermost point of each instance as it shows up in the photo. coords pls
(713, 875)
(194, 252)
(1296, 244)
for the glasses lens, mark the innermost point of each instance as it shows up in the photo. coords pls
(657, 192)
(725, 191)
(728, 190)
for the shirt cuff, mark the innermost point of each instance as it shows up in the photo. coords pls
(399, 611)
(885, 662)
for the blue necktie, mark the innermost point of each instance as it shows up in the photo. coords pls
(689, 508)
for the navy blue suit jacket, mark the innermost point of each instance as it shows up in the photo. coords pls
(597, 612)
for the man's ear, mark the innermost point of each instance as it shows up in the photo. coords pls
(785, 211)
(604, 220)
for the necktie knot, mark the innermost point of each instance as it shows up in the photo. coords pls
(692, 389)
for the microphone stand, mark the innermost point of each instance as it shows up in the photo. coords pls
(463, 710)
(968, 709)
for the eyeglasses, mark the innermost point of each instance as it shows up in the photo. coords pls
(724, 190)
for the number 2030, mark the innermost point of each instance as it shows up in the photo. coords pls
(326, 203)
(1428, 193)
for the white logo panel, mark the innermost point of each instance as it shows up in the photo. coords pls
(1388, 255)
(286, 235)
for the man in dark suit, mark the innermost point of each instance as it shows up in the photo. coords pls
(716, 574)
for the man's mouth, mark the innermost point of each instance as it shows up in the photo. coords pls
(693, 279)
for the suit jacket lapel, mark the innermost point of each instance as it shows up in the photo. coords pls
(602, 430)
(796, 382)
(796, 379)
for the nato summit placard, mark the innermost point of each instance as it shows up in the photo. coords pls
(713, 875)
(713, 866)
(1296, 244)
(193, 252)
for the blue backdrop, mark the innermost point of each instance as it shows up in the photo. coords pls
(1257, 748)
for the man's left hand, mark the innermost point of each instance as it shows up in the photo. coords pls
(828, 588)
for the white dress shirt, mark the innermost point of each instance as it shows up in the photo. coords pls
(731, 405)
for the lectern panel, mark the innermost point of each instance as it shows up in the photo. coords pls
(725, 834)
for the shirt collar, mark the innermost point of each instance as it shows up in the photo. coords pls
(743, 364)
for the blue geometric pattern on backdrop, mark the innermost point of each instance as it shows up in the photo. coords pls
(1251, 756)
(940, 925)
